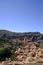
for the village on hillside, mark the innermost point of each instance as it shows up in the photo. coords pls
(29, 53)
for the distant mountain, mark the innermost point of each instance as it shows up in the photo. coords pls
(34, 36)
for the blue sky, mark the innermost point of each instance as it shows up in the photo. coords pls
(21, 15)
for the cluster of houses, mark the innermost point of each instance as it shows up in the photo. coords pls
(30, 53)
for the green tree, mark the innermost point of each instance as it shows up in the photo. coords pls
(5, 53)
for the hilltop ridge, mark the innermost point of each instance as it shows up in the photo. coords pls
(29, 35)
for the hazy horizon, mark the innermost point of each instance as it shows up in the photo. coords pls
(21, 15)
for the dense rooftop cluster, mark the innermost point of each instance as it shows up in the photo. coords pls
(30, 53)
